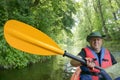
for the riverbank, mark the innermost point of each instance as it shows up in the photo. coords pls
(49, 70)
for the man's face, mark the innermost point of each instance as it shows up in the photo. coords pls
(96, 43)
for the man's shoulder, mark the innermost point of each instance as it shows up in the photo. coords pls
(82, 53)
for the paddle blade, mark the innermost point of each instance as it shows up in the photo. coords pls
(26, 38)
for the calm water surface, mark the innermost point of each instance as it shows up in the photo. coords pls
(45, 71)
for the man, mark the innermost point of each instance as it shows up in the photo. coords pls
(94, 54)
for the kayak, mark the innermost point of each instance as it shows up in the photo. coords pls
(114, 71)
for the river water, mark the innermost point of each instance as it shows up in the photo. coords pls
(49, 70)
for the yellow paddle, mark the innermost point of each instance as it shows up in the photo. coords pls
(26, 38)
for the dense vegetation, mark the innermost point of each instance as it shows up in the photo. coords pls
(53, 17)
(66, 21)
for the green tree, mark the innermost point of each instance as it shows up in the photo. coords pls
(53, 17)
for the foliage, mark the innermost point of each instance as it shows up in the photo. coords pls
(53, 17)
(98, 15)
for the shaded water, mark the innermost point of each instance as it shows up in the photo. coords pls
(49, 70)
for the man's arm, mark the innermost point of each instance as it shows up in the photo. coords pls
(82, 55)
(77, 63)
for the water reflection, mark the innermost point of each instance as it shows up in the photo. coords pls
(44, 71)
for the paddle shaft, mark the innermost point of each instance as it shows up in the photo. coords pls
(79, 59)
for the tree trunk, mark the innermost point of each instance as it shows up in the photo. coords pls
(102, 17)
(114, 15)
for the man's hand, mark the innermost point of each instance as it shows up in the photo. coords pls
(90, 63)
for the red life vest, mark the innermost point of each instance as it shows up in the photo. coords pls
(104, 62)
